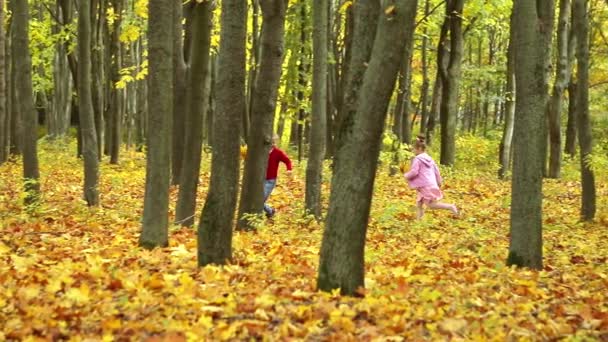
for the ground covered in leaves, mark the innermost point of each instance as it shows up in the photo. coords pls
(67, 272)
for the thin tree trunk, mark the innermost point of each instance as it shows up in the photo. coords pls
(332, 81)
(342, 262)
(180, 66)
(442, 65)
(215, 227)
(23, 68)
(571, 136)
(406, 122)
(3, 111)
(85, 106)
(570, 145)
(198, 99)
(424, 92)
(580, 14)
(155, 221)
(314, 168)
(533, 23)
(451, 83)
(16, 122)
(116, 97)
(561, 82)
(254, 55)
(97, 70)
(506, 149)
(264, 106)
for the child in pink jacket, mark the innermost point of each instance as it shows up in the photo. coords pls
(424, 176)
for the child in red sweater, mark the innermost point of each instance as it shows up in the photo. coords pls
(275, 156)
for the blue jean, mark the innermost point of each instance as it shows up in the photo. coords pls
(269, 185)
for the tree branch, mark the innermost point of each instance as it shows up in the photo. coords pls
(431, 12)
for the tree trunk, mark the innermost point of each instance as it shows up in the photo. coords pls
(3, 111)
(179, 94)
(451, 83)
(116, 106)
(424, 92)
(97, 69)
(332, 78)
(570, 146)
(533, 28)
(58, 121)
(405, 129)
(160, 98)
(365, 21)
(16, 122)
(198, 99)
(341, 262)
(85, 106)
(561, 82)
(23, 68)
(216, 223)
(314, 168)
(211, 109)
(264, 105)
(580, 14)
(442, 65)
(506, 150)
(254, 55)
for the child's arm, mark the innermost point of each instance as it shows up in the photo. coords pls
(437, 174)
(285, 159)
(413, 172)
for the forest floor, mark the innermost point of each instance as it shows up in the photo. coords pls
(71, 273)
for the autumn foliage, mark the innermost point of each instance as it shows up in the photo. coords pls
(72, 273)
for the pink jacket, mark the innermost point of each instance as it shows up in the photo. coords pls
(423, 173)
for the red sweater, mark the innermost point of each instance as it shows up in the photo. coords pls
(274, 157)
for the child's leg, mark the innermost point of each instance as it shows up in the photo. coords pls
(446, 206)
(419, 210)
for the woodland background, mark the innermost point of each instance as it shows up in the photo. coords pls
(133, 144)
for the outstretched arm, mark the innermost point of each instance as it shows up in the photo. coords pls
(285, 159)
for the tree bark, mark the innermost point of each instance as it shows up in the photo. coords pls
(506, 150)
(442, 65)
(216, 223)
(3, 111)
(533, 28)
(97, 69)
(570, 145)
(424, 92)
(85, 106)
(403, 123)
(341, 262)
(58, 121)
(254, 57)
(580, 15)
(115, 109)
(561, 82)
(264, 105)
(179, 94)
(23, 68)
(314, 168)
(160, 98)
(16, 122)
(365, 21)
(198, 99)
(451, 83)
